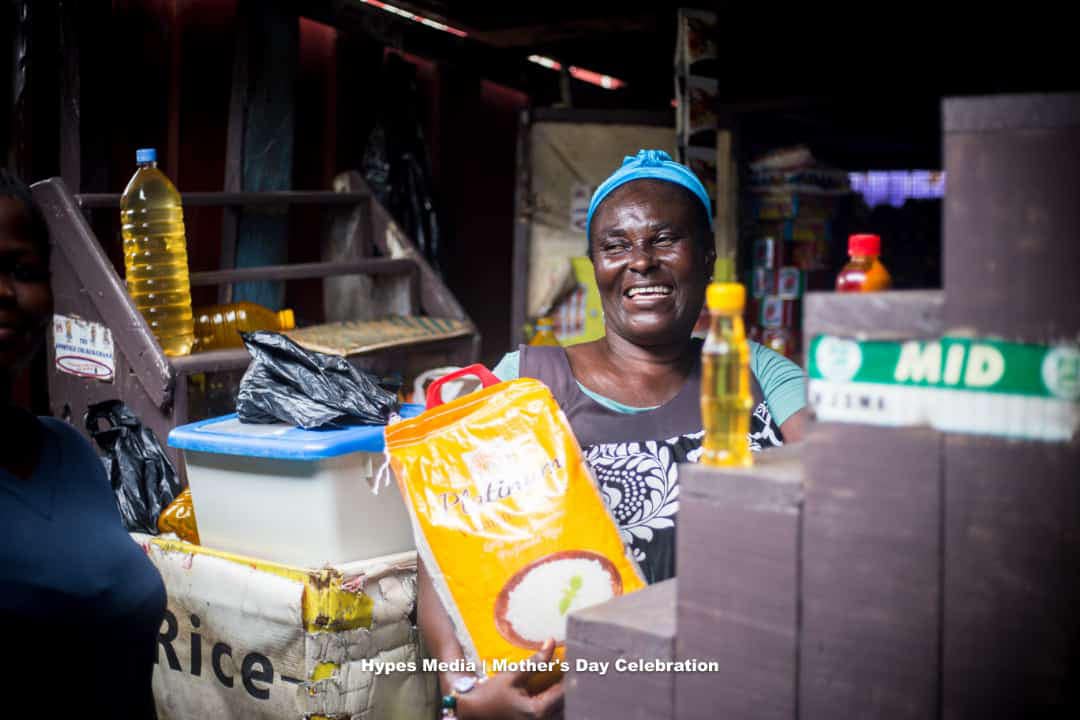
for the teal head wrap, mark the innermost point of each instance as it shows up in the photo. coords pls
(653, 165)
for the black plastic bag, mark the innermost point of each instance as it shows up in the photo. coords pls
(142, 476)
(286, 383)
(395, 161)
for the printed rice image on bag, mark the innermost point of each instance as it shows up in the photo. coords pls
(507, 518)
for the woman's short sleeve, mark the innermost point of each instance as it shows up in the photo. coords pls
(509, 367)
(783, 383)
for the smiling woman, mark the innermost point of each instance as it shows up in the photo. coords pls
(633, 396)
(652, 264)
(650, 241)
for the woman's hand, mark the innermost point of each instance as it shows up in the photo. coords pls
(504, 696)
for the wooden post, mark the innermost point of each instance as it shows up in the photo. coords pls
(522, 223)
(871, 586)
(85, 133)
(70, 98)
(640, 626)
(1012, 216)
(871, 544)
(1012, 564)
(33, 89)
(738, 570)
(1012, 578)
(726, 229)
(260, 145)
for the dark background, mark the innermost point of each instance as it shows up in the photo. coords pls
(861, 86)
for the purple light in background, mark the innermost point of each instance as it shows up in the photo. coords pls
(894, 187)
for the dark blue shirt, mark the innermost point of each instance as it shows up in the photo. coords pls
(80, 603)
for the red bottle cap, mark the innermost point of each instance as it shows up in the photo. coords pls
(864, 245)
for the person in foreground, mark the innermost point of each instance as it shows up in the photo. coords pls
(80, 603)
(633, 396)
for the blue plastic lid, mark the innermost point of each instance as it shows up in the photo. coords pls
(146, 155)
(226, 435)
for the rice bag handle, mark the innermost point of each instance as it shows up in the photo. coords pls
(434, 391)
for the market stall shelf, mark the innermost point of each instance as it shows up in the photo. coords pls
(364, 336)
(101, 348)
(917, 556)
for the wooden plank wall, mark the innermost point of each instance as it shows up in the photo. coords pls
(738, 570)
(1012, 565)
(260, 145)
(871, 582)
(871, 544)
(641, 625)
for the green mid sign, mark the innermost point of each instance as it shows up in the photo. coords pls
(956, 384)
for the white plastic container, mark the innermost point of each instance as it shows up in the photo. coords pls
(292, 496)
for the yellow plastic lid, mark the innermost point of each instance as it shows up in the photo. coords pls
(725, 297)
(548, 322)
(286, 319)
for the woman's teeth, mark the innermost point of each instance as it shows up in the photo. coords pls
(651, 290)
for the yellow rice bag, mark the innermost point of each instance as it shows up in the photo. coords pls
(507, 518)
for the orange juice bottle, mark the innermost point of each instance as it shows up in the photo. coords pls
(864, 272)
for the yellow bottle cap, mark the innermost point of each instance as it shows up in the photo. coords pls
(725, 297)
(545, 322)
(286, 319)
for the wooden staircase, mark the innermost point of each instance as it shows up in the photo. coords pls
(169, 391)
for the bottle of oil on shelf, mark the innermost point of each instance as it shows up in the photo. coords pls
(155, 254)
(725, 380)
(219, 326)
(545, 332)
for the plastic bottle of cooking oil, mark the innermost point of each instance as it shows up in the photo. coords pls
(219, 326)
(155, 254)
(864, 272)
(725, 380)
(545, 332)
